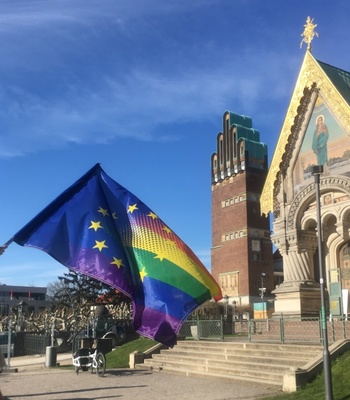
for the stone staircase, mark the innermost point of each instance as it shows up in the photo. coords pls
(265, 363)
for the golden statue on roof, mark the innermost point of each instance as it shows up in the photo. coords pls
(309, 32)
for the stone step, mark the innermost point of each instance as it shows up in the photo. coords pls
(259, 362)
(228, 372)
(218, 357)
(249, 345)
(297, 352)
(218, 376)
(232, 353)
(251, 364)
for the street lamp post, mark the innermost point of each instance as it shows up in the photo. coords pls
(317, 171)
(9, 338)
(234, 315)
(262, 292)
(226, 298)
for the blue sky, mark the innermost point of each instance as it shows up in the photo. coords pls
(141, 86)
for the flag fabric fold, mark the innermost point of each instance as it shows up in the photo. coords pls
(98, 228)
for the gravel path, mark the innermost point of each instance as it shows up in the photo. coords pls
(59, 383)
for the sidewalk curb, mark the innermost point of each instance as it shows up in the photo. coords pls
(7, 370)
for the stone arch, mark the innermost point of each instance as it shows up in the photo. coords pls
(344, 226)
(344, 258)
(334, 244)
(300, 205)
(304, 199)
(308, 223)
(329, 224)
(345, 215)
(299, 245)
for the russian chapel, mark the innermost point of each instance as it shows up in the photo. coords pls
(315, 132)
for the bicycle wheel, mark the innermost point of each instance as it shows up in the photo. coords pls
(100, 364)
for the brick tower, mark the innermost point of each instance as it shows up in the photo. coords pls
(241, 255)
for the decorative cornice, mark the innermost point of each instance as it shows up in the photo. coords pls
(292, 140)
(311, 77)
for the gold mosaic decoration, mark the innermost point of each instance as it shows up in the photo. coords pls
(310, 74)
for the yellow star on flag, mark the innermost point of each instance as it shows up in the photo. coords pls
(143, 273)
(95, 225)
(118, 262)
(152, 215)
(160, 255)
(100, 245)
(103, 211)
(170, 242)
(166, 229)
(131, 209)
(114, 215)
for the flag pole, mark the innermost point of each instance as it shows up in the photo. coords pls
(5, 246)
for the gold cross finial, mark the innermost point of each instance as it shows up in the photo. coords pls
(309, 32)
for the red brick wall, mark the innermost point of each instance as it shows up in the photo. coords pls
(235, 255)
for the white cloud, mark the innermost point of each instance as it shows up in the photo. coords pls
(21, 14)
(74, 79)
(134, 106)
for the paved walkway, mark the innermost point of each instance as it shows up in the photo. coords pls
(34, 381)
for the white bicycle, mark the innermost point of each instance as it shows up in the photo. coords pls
(83, 359)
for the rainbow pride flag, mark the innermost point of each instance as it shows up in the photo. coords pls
(98, 228)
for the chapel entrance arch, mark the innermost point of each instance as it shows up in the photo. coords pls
(344, 263)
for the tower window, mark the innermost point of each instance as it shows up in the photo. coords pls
(221, 151)
(256, 249)
(241, 149)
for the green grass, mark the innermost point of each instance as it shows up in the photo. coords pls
(119, 357)
(315, 389)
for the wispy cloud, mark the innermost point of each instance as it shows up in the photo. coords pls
(135, 106)
(80, 73)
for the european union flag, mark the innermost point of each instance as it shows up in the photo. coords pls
(98, 228)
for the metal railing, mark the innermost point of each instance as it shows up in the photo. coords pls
(76, 340)
(281, 330)
(338, 329)
(301, 330)
(202, 329)
(4, 348)
(285, 330)
(36, 344)
(7, 343)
